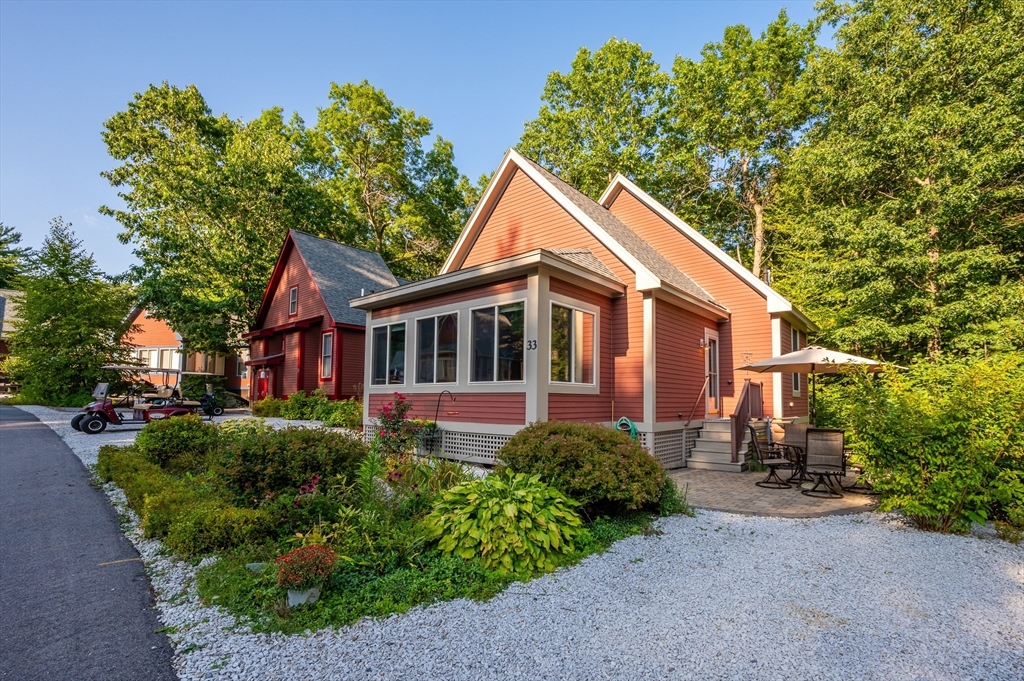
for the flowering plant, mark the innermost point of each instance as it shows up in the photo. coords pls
(396, 434)
(305, 566)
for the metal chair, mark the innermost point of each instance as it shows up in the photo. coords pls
(771, 458)
(825, 462)
(796, 439)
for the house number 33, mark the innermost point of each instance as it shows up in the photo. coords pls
(531, 345)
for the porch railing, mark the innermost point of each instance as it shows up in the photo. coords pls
(749, 406)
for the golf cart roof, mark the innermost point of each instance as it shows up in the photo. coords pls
(154, 370)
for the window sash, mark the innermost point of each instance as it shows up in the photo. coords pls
(497, 335)
(794, 345)
(388, 355)
(573, 341)
(326, 354)
(437, 342)
(293, 300)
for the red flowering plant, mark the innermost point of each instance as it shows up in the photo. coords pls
(306, 566)
(307, 491)
(396, 433)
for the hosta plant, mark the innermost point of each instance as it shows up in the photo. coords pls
(511, 521)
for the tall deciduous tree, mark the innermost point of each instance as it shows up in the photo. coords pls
(604, 116)
(399, 199)
(208, 201)
(71, 320)
(909, 192)
(12, 256)
(735, 117)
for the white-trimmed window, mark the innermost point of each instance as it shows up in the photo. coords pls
(794, 346)
(573, 345)
(241, 370)
(497, 337)
(388, 355)
(437, 348)
(293, 300)
(326, 354)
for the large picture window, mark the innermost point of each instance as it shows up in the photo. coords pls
(572, 345)
(437, 349)
(326, 355)
(389, 355)
(497, 340)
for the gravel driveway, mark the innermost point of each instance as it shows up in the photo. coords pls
(717, 596)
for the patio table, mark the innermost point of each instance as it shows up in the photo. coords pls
(799, 460)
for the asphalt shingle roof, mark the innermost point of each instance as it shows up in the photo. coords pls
(342, 273)
(628, 239)
(585, 258)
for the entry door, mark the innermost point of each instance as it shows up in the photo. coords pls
(713, 397)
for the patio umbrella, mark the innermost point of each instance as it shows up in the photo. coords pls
(811, 360)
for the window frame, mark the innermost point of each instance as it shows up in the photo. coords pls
(241, 370)
(387, 368)
(326, 356)
(293, 301)
(494, 307)
(794, 345)
(458, 346)
(594, 349)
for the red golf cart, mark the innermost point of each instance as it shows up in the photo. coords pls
(142, 405)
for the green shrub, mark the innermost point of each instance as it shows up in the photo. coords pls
(134, 474)
(268, 407)
(260, 465)
(340, 414)
(944, 441)
(206, 527)
(601, 468)
(511, 521)
(182, 443)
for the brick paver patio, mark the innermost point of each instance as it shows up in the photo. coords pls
(737, 493)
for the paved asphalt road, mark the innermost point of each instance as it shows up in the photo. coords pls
(63, 614)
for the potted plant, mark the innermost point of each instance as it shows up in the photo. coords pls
(303, 570)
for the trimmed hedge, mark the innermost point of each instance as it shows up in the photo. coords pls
(180, 444)
(601, 468)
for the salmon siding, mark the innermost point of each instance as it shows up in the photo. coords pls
(606, 310)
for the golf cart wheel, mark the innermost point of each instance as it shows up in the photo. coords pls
(93, 425)
(218, 411)
(77, 420)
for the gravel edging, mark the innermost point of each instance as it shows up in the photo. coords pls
(716, 596)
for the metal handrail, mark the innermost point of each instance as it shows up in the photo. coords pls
(740, 417)
(697, 401)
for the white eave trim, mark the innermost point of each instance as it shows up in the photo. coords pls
(776, 304)
(482, 274)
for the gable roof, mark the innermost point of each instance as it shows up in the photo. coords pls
(340, 272)
(776, 303)
(585, 258)
(651, 268)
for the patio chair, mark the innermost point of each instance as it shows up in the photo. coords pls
(861, 484)
(771, 457)
(825, 462)
(796, 439)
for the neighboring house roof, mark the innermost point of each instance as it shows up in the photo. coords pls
(8, 309)
(776, 302)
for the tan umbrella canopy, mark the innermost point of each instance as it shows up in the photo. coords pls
(811, 360)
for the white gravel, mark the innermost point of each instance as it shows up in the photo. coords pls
(718, 596)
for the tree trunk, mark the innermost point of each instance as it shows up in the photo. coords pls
(758, 237)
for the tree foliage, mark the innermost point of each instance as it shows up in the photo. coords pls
(71, 320)
(12, 257)
(735, 117)
(207, 202)
(906, 197)
(398, 198)
(603, 117)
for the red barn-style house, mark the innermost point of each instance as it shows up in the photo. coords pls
(158, 346)
(306, 337)
(555, 306)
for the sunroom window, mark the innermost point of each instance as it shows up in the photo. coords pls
(437, 349)
(497, 334)
(572, 345)
(388, 355)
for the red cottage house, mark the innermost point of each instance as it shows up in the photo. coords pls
(157, 345)
(306, 336)
(554, 306)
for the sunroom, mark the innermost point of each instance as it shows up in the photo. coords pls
(485, 350)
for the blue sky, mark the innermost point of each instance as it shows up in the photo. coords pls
(476, 69)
